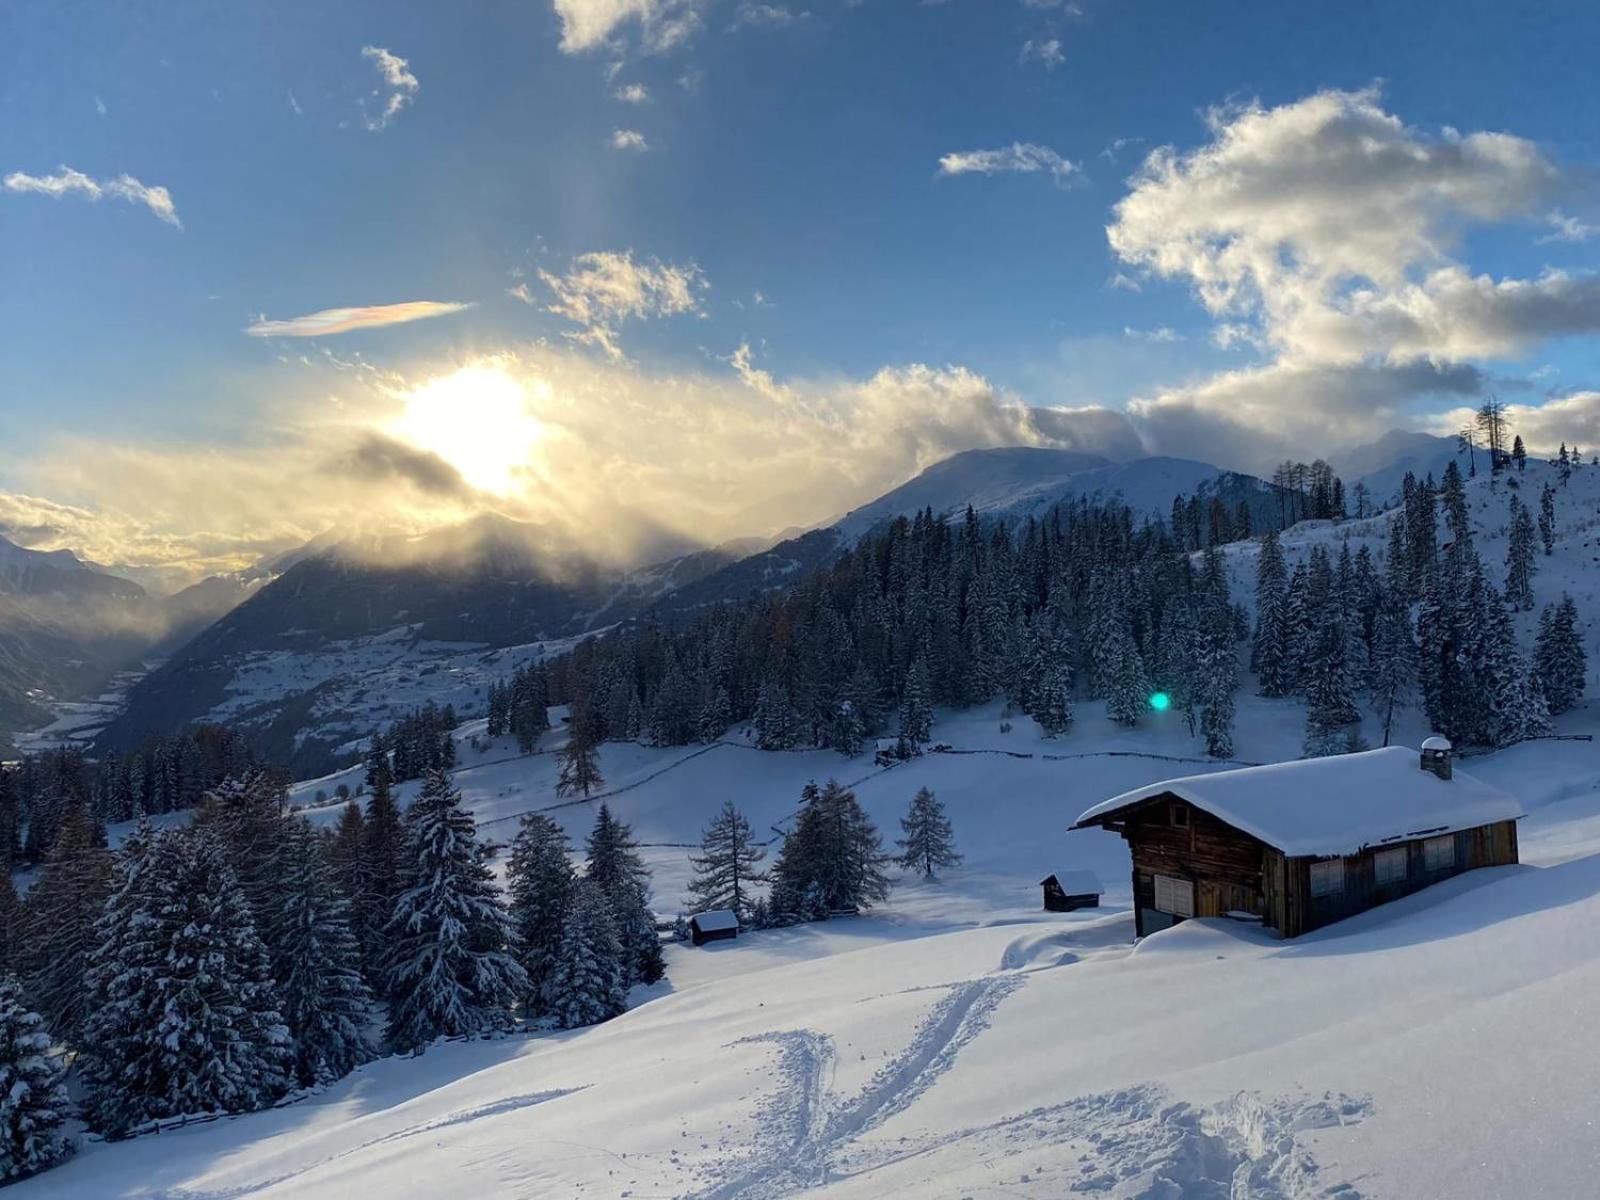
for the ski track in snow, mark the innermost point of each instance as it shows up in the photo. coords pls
(467, 1115)
(1133, 1144)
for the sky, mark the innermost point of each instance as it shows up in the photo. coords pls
(650, 269)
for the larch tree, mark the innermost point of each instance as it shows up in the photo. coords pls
(578, 762)
(728, 865)
(929, 843)
(450, 972)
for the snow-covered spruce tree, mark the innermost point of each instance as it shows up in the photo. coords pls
(1520, 564)
(1269, 649)
(246, 818)
(1331, 711)
(58, 925)
(579, 759)
(929, 843)
(449, 969)
(832, 860)
(586, 981)
(345, 856)
(728, 865)
(615, 866)
(384, 862)
(1547, 519)
(1128, 687)
(317, 962)
(774, 717)
(1217, 675)
(1559, 662)
(33, 1094)
(1453, 500)
(1047, 679)
(1394, 663)
(10, 924)
(539, 882)
(1514, 708)
(916, 706)
(185, 1017)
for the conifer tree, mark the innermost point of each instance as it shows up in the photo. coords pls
(1394, 663)
(832, 859)
(579, 760)
(1520, 564)
(33, 1094)
(1331, 712)
(11, 928)
(1547, 519)
(1269, 651)
(1559, 662)
(185, 1017)
(1217, 675)
(317, 961)
(615, 866)
(345, 854)
(58, 933)
(1128, 687)
(586, 981)
(929, 843)
(774, 717)
(539, 883)
(449, 969)
(727, 866)
(916, 709)
(384, 862)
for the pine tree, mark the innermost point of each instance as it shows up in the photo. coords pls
(539, 883)
(1331, 712)
(33, 1093)
(916, 709)
(11, 928)
(579, 760)
(833, 858)
(586, 982)
(1128, 688)
(185, 1017)
(1519, 454)
(58, 924)
(929, 841)
(1269, 652)
(1520, 564)
(1547, 519)
(727, 866)
(449, 969)
(384, 861)
(1217, 675)
(1559, 662)
(774, 717)
(345, 854)
(1394, 663)
(317, 961)
(616, 868)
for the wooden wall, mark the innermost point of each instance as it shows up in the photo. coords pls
(1223, 863)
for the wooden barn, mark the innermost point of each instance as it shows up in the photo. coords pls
(1298, 845)
(718, 925)
(1066, 891)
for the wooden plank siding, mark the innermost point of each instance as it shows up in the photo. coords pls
(1234, 872)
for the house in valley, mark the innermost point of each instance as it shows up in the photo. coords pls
(1298, 845)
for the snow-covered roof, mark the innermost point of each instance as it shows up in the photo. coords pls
(1335, 805)
(1436, 742)
(1079, 883)
(716, 920)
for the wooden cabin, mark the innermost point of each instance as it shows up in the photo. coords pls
(1066, 891)
(1299, 845)
(720, 924)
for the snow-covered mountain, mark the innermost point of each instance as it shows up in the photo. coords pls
(1383, 464)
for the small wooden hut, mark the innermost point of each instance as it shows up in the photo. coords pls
(1298, 845)
(1068, 890)
(720, 924)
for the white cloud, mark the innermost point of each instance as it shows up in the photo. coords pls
(342, 320)
(66, 182)
(628, 139)
(633, 93)
(400, 86)
(1045, 51)
(592, 24)
(604, 289)
(764, 16)
(1565, 228)
(1321, 232)
(1162, 333)
(1023, 157)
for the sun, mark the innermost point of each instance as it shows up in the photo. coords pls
(477, 420)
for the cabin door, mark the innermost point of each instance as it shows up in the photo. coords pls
(1218, 899)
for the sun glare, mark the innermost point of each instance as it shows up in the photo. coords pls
(477, 420)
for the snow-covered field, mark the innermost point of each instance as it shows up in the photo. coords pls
(961, 1042)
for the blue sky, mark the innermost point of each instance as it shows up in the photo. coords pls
(778, 187)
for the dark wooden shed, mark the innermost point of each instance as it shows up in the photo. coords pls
(1299, 845)
(718, 925)
(1066, 891)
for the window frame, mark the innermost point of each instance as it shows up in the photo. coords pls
(1176, 809)
(1390, 854)
(1174, 886)
(1332, 872)
(1434, 848)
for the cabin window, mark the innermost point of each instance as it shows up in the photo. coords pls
(1180, 815)
(1439, 853)
(1390, 866)
(1327, 878)
(1175, 896)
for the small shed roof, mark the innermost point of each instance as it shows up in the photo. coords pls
(1335, 805)
(1077, 882)
(715, 921)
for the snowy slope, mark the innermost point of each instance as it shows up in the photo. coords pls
(963, 1043)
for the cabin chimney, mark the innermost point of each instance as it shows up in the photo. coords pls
(1436, 756)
